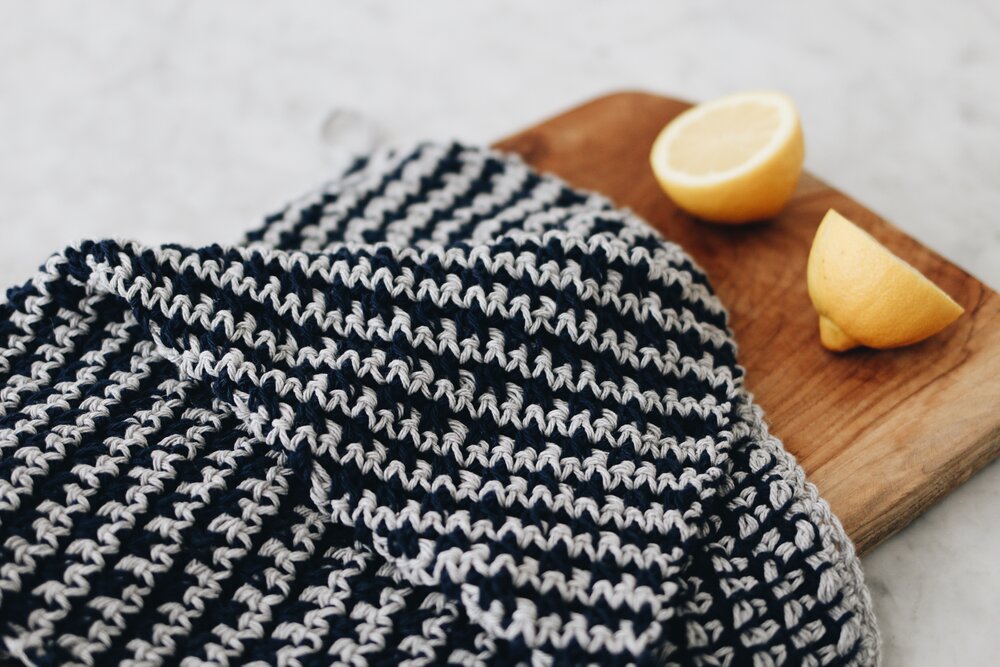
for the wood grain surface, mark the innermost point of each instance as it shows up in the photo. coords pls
(883, 434)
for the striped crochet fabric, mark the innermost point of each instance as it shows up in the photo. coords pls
(443, 410)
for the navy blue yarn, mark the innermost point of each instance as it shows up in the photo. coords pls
(718, 514)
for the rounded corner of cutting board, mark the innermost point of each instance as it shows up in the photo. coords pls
(633, 96)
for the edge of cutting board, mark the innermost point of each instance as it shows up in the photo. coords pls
(884, 435)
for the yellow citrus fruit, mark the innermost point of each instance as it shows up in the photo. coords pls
(735, 159)
(865, 295)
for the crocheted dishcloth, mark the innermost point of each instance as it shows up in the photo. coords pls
(443, 409)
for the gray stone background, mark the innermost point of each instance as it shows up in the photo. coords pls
(184, 122)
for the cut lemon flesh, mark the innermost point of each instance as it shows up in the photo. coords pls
(735, 159)
(866, 295)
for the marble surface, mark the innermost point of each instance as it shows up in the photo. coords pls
(184, 122)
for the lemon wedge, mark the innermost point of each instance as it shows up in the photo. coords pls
(735, 159)
(865, 295)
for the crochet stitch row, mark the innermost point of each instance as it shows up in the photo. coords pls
(442, 410)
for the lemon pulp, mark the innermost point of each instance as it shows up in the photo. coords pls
(734, 159)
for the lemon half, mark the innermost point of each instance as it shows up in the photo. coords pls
(735, 159)
(865, 295)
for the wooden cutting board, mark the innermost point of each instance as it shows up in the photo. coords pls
(882, 434)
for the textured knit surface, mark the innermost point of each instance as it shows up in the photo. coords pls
(444, 409)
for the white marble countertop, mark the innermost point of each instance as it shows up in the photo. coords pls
(185, 122)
